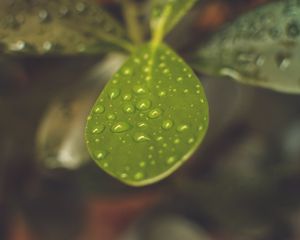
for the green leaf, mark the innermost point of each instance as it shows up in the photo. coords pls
(261, 48)
(58, 27)
(149, 119)
(166, 14)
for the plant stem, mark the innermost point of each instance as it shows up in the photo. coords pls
(158, 35)
(135, 30)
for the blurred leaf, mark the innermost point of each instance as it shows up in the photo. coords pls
(57, 27)
(149, 119)
(167, 13)
(261, 48)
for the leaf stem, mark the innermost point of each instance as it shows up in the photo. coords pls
(134, 28)
(159, 32)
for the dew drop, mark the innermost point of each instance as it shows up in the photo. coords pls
(139, 89)
(128, 108)
(167, 124)
(138, 176)
(111, 116)
(127, 97)
(48, 46)
(18, 46)
(64, 11)
(144, 104)
(191, 140)
(179, 79)
(124, 175)
(159, 138)
(114, 93)
(171, 160)
(140, 137)
(120, 127)
(99, 109)
(80, 7)
(155, 113)
(99, 129)
(177, 141)
(105, 165)
(43, 15)
(162, 93)
(182, 128)
(142, 125)
(142, 164)
(127, 71)
(101, 155)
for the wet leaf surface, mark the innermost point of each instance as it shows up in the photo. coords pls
(57, 27)
(261, 48)
(149, 119)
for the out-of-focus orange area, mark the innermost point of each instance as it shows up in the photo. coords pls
(215, 13)
(110, 218)
(104, 219)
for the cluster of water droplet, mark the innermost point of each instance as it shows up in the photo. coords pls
(136, 123)
(53, 26)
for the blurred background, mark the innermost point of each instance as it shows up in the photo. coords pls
(243, 183)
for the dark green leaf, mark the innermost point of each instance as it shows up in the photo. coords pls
(149, 119)
(167, 13)
(261, 48)
(57, 26)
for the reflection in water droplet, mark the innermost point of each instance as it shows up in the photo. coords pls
(144, 104)
(101, 155)
(139, 89)
(191, 140)
(140, 137)
(182, 128)
(155, 113)
(99, 109)
(111, 116)
(142, 125)
(99, 129)
(167, 124)
(159, 138)
(128, 108)
(114, 93)
(177, 141)
(44, 15)
(162, 93)
(127, 71)
(179, 79)
(120, 127)
(138, 176)
(127, 97)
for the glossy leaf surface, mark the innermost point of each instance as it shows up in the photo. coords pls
(57, 26)
(261, 48)
(149, 118)
(167, 13)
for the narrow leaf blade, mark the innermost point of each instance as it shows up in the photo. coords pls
(261, 48)
(58, 27)
(149, 118)
(168, 13)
